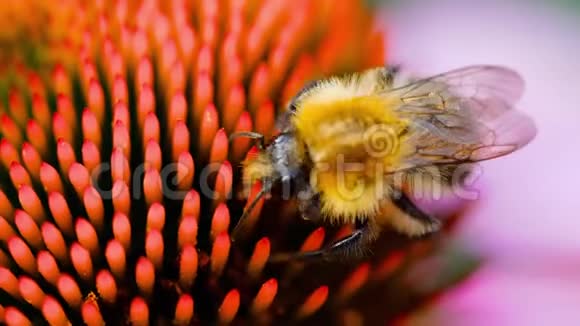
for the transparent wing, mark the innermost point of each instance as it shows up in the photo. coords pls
(465, 115)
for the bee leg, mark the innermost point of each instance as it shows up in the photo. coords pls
(308, 200)
(349, 246)
(310, 207)
(265, 189)
(259, 138)
(413, 221)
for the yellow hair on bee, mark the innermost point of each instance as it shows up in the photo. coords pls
(257, 168)
(349, 86)
(341, 134)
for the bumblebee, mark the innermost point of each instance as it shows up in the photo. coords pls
(349, 145)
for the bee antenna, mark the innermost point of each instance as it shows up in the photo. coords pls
(250, 134)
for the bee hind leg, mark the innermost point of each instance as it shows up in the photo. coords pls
(413, 221)
(353, 245)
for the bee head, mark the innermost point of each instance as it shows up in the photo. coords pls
(282, 159)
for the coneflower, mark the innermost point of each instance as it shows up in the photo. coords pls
(119, 185)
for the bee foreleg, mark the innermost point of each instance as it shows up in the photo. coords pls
(249, 208)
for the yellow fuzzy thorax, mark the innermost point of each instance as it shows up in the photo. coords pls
(352, 143)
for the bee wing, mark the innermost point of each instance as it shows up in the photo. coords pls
(465, 115)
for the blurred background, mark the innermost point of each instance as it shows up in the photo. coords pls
(527, 223)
